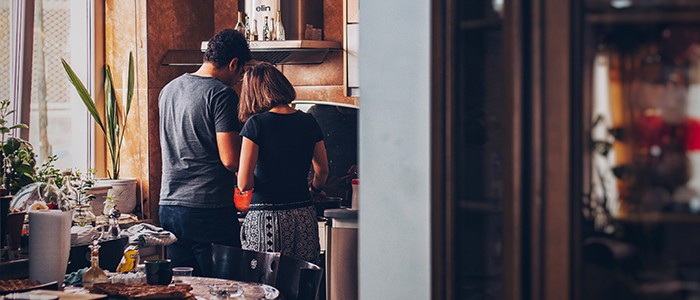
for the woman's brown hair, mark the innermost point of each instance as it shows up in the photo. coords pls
(264, 87)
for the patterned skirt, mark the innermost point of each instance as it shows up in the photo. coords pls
(292, 232)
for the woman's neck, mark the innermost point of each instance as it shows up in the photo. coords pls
(283, 109)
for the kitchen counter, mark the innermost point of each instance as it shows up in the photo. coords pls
(341, 213)
(341, 254)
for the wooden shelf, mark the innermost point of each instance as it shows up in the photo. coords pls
(16, 269)
(643, 17)
(659, 218)
(481, 24)
(485, 207)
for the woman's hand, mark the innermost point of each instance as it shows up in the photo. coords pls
(317, 197)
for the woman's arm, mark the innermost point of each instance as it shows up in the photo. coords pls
(320, 164)
(246, 166)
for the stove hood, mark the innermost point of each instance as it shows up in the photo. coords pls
(289, 52)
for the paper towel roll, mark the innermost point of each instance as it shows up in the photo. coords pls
(49, 244)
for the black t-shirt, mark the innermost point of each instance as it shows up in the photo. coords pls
(192, 110)
(286, 145)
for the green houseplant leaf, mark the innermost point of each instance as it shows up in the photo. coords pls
(114, 122)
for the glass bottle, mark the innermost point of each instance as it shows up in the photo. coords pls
(272, 29)
(239, 26)
(52, 195)
(69, 192)
(94, 274)
(255, 30)
(82, 212)
(279, 29)
(113, 231)
(266, 30)
(248, 34)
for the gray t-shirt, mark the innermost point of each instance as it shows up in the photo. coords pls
(192, 110)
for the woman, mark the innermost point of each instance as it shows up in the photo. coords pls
(278, 147)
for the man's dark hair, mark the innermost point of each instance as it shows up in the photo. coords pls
(225, 46)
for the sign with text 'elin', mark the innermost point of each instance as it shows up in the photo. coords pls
(257, 10)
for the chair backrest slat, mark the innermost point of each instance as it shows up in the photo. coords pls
(298, 279)
(244, 265)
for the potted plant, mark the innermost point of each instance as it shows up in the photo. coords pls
(16, 155)
(113, 126)
(17, 169)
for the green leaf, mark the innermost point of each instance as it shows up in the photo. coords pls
(84, 94)
(24, 169)
(25, 179)
(15, 161)
(11, 145)
(19, 126)
(130, 87)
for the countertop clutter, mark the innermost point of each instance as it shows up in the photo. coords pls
(190, 288)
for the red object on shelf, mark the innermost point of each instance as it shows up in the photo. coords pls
(692, 142)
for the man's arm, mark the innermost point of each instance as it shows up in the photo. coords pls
(229, 144)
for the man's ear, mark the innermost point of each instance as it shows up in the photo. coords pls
(233, 65)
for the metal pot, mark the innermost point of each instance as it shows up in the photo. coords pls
(329, 203)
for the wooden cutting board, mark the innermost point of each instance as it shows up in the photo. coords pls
(69, 296)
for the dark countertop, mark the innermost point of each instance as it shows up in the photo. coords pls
(15, 269)
(341, 213)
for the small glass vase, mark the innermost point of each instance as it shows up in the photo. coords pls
(83, 216)
(51, 194)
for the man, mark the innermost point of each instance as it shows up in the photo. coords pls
(200, 148)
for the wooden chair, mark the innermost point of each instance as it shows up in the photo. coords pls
(298, 279)
(244, 265)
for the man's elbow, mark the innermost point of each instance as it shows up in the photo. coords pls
(231, 166)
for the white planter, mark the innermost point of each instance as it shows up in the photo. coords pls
(123, 192)
(100, 193)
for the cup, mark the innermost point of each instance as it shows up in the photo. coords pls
(242, 199)
(158, 272)
(180, 272)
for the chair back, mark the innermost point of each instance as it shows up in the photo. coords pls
(298, 279)
(244, 265)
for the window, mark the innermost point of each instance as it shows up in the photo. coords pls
(58, 121)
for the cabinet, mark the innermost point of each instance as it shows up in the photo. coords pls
(351, 18)
(640, 138)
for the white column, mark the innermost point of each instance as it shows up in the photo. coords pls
(394, 150)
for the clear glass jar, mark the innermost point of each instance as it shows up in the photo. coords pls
(82, 215)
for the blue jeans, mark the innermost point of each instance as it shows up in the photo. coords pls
(196, 229)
